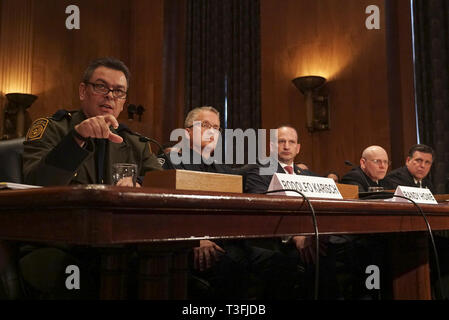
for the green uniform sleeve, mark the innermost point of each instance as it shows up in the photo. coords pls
(149, 162)
(53, 158)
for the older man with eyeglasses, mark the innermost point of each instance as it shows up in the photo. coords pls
(373, 168)
(202, 131)
(80, 147)
(233, 268)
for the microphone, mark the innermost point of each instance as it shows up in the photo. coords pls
(349, 163)
(143, 138)
(161, 149)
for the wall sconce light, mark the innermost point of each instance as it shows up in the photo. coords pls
(131, 111)
(16, 119)
(317, 104)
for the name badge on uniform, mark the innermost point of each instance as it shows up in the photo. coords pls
(314, 187)
(419, 195)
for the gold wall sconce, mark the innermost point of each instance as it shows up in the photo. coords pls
(16, 119)
(317, 102)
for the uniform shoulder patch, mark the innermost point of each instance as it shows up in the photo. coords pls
(37, 129)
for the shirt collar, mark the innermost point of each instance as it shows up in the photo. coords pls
(283, 165)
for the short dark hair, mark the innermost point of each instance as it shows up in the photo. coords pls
(108, 62)
(421, 148)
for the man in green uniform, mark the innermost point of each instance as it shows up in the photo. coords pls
(80, 147)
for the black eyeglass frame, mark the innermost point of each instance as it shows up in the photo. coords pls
(114, 91)
(207, 125)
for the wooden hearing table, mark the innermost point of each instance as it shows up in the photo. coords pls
(164, 225)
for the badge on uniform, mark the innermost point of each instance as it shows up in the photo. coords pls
(37, 129)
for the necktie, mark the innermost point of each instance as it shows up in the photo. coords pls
(289, 169)
(101, 150)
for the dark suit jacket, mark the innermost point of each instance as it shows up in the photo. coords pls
(203, 167)
(402, 177)
(256, 183)
(357, 177)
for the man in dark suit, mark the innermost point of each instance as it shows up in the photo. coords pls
(415, 173)
(201, 123)
(373, 167)
(227, 265)
(288, 148)
(363, 250)
(416, 170)
(207, 126)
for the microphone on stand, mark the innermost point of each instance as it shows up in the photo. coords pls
(161, 149)
(142, 138)
(349, 163)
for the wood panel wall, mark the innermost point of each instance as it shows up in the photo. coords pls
(329, 38)
(16, 56)
(369, 72)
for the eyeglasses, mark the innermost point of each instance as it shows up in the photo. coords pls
(103, 89)
(207, 125)
(378, 162)
(421, 161)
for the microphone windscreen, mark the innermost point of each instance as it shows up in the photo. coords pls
(348, 163)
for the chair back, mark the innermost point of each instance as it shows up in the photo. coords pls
(11, 160)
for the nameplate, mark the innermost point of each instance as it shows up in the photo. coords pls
(419, 195)
(313, 187)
